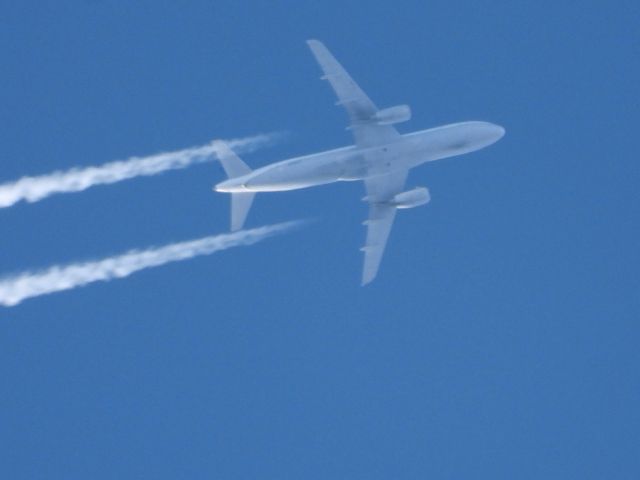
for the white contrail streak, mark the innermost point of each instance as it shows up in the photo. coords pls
(33, 189)
(15, 289)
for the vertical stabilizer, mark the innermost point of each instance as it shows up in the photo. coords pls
(235, 167)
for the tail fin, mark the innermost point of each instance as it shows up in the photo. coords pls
(240, 201)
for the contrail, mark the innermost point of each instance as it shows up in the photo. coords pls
(33, 189)
(15, 289)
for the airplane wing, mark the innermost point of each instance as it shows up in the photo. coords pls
(380, 190)
(357, 104)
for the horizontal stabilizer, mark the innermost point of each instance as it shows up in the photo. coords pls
(240, 206)
(232, 164)
(234, 167)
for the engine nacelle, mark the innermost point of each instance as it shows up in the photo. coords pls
(412, 198)
(393, 115)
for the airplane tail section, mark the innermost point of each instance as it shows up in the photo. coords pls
(240, 206)
(240, 201)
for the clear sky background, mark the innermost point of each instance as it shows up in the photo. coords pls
(500, 339)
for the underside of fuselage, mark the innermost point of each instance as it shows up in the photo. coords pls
(351, 163)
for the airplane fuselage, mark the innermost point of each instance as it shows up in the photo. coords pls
(353, 163)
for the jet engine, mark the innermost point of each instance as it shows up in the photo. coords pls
(411, 198)
(393, 115)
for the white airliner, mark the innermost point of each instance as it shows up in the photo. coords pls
(381, 157)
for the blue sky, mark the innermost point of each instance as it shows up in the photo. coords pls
(500, 338)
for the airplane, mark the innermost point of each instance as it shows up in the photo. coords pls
(381, 157)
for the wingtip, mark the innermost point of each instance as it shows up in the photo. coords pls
(315, 44)
(367, 277)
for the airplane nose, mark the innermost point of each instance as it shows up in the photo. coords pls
(492, 132)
